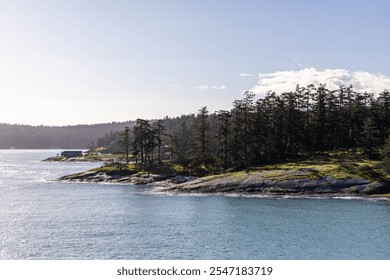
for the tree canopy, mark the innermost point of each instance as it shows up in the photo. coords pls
(270, 129)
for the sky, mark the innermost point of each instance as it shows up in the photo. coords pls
(84, 62)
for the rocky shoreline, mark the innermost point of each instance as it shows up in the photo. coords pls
(126, 178)
(255, 184)
(297, 183)
(77, 159)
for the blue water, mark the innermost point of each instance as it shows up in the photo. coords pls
(42, 219)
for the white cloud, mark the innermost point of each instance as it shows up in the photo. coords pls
(246, 75)
(207, 87)
(219, 87)
(176, 86)
(203, 87)
(284, 81)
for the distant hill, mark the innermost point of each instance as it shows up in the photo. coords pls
(69, 137)
(53, 137)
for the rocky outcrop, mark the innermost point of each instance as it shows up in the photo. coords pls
(76, 159)
(126, 178)
(286, 183)
(258, 183)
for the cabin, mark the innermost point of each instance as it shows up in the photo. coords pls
(72, 154)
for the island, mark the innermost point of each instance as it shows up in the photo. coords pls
(332, 174)
(310, 141)
(79, 156)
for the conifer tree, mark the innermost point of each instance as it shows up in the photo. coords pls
(126, 143)
(369, 139)
(385, 153)
(142, 137)
(201, 136)
(242, 114)
(181, 141)
(223, 135)
(159, 129)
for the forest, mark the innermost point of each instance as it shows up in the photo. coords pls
(21, 136)
(270, 129)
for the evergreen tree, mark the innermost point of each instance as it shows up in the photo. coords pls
(201, 137)
(320, 124)
(385, 153)
(181, 143)
(126, 143)
(293, 124)
(381, 112)
(369, 139)
(142, 141)
(223, 136)
(242, 115)
(159, 129)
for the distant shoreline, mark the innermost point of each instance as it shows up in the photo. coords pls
(96, 158)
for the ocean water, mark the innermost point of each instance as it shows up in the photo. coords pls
(44, 219)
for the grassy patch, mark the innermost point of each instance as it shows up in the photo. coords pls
(238, 175)
(117, 168)
(385, 195)
(345, 164)
(163, 169)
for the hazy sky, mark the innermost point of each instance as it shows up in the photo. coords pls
(71, 62)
